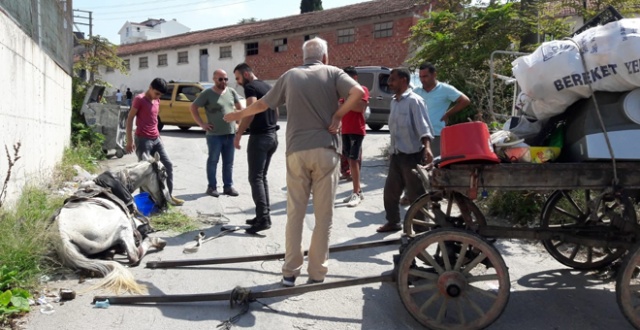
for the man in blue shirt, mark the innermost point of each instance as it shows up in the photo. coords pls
(410, 131)
(442, 99)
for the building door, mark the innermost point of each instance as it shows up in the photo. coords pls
(204, 65)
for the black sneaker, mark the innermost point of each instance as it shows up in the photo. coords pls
(289, 281)
(212, 192)
(260, 226)
(251, 221)
(231, 191)
(312, 281)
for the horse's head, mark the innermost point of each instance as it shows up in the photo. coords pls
(155, 181)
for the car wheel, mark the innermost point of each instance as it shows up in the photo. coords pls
(375, 127)
(160, 124)
(184, 128)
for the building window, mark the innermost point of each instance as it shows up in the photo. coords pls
(383, 30)
(346, 35)
(225, 51)
(162, 60)
(280, 45)
(144, 62)
(183, 57)
(109, 69)
(127, 64)
(204, 51)
(308, 37)
(251, 48)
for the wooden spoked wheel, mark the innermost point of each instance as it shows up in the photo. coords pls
(463, 284)
(628, 287)
(426, 214)
(567, 209)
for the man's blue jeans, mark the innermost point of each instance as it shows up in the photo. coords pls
(220, 145)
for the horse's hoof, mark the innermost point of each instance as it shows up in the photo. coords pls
(158, 243)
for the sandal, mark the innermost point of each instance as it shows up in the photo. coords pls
(389, 227)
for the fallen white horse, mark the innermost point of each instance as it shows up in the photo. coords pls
(92, 225)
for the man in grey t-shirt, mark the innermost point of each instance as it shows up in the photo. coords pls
(311, 93)
(218, 101)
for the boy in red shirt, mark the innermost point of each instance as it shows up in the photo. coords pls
(353, 132)
(145, 109)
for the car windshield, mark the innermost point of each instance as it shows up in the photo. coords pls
(206, 85)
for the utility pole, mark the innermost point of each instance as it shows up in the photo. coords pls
(90, 24)
(89, 18)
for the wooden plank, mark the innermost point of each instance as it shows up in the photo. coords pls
(548, 176)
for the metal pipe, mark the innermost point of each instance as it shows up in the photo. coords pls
(178, 298)
(217, 261)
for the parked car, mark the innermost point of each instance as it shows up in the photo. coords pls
(375, 79)
(176, 102)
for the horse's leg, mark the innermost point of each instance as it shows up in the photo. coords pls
(134, 254)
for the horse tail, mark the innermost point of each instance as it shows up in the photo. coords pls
(116, 276)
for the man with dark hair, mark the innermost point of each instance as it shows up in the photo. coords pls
(410, 131)
(353, 132)
(129, 96)
(144, 109)
(263, 143)
(311, 92)
(439, 98)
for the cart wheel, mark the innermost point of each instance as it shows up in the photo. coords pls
(571, 209)
(628, 287)
(464, 288)
(119, 153)
(426, 214)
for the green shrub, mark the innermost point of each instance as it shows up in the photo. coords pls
(519, 207)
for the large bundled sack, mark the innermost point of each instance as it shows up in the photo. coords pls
(553, 77)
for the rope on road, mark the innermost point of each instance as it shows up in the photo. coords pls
(240, 297)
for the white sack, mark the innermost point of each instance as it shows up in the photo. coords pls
(553, 77)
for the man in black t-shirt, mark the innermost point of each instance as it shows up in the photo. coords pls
(263, 143)
(129, 96)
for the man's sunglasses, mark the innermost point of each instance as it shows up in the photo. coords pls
(223, 79)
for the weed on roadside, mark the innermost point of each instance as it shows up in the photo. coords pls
(174, 220)
(25, 235)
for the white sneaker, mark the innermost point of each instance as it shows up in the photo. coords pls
(348, 198)
(354, 200)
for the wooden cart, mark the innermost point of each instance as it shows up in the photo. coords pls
(450, 275)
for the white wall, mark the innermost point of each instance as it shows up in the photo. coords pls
(35, 108)
(139, 79)
(162, 30)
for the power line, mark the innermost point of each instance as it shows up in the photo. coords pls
(182, 4)
(176, 12)
(132, 5)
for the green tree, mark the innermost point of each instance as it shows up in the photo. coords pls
(247, 20)
(460, 44)
(310, 5)
(98, 52)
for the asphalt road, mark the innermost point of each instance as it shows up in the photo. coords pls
(544, 294)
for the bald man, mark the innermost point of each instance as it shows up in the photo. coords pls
(218, 101)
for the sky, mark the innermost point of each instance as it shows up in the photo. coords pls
(110, 15)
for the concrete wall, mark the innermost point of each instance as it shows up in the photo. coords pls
(138, 79)
(35, 108)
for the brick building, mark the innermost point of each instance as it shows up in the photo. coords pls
(368, 33)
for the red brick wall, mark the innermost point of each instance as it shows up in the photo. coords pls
(365, 50)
